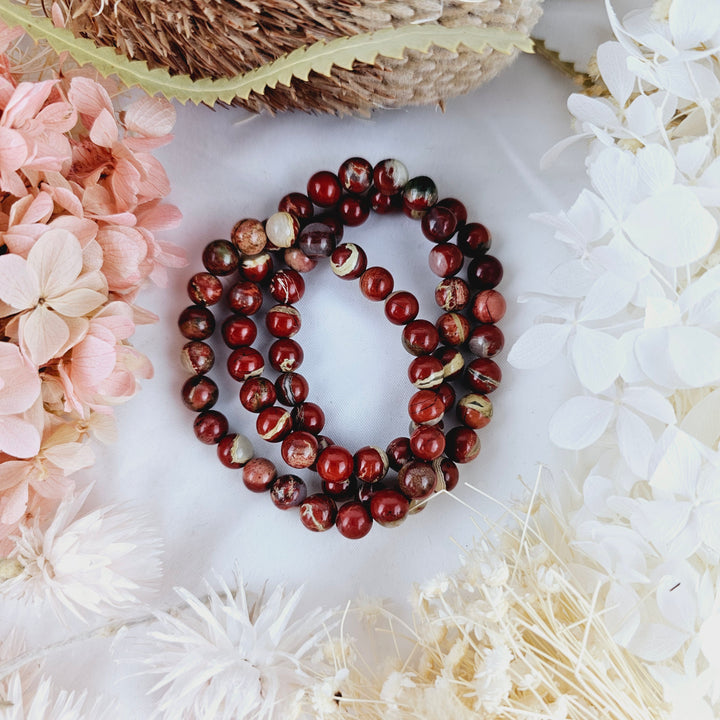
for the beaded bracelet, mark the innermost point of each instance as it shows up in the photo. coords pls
(426, 460)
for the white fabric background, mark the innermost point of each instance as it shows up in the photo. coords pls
(484, 149)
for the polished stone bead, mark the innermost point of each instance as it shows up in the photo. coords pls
(383, 204)
(420, 337)
(288, 491)
(426, 408)
(332, 220)
(309, 417)
(341, 489)
(446, 260)
(446, 393)
(197, 357)
(199, 393)
(371, 464)
(355, 175)
(390, 176)
(204, 289)
(486, 340)
(353, 520)
(376, 283)
(401, 307)
(462, 444)
(417, 479)
(282, 321)
(323, 442)
(287, 286)
(488, 306)
(285, 355)
(438, 224)
(447, 474)
(484, 273)
(317, 240)
(245, 297)
(453, 328)
(365, 491)
(220, 257)
(335, 464)
(257, 268)
(452, 360)
(483, 375)
(274, 423)
(457, 208)
(398, 452)
(348, 261)
(427, 443)
(245, 362)
(196, 322)
(413, 426)
(426, 372)
(318, 512)
(297, 260)
(452, 294)
(389, 507)
(324, 188)
(474, 410)
(282, 229)
(300, 449)
(257, 393)
(419, 195)
(298, 205)
(210, 427)
(474, 239)
(239, 331)
(235, 450)
(248, 236)
(353, 211)
(291, 388)
(259, 474)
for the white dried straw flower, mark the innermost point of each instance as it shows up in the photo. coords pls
(224, 657)
(104, 562)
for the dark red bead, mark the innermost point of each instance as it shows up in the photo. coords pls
(335, 464)
(390, 176)
(483, 375)
(353, 520)
(474, 239)
(474, 410)
(317, 240)
(234, 450)
(398, 452)
(426, 372)
(484, 272)
(245, 297)
(248, 236)
(376, 283)
(341, 489)
(446, 260)
(199, 393)
(288, 491)
(204, 289)
(488, 306)
(324, 188)
(239, 331)
(457, 208)
(389, 507)
(452, 360)
(287, 286)
(300, 449)
(486, 340)
(438, 224)
(348, 261)
(259, 474)
(297, 204)
(274, 423)
(257, 268)
(210, 427)
(427, 443)
(453, 328)
(383, 204)
(426, 408)
(419, 195)
(452, 294)
(401, 307)
(332, 221)
(297, 260)
(197, 357)
(285, 355)
(420, 337)
(282, 321)
(323, 442)
(353, 211)
(446, 393)
(220, 257)
(318, 512)
(417, 479)
(245, 362)
(196, 322)
(355, 175)
(447, 474)
(462, 444)
(365, 491)
(257, 393)
(291, 388)
(371, 464)
(309, 417)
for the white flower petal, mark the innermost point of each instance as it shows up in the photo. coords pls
(572, 278)
(661, 312)
(691, 156)
(703, 420)
(579, 422)
(653, 357)
(695, 355)
(656, 166)
(56, 257)
(622, 613)
(710, 639)
(42, 334)
(614, 175)
(612, 63)
(692, 21)
(635, 441)
(76, 303)
(596, 111)
(608, 295)
(19, 286)
(649, 401)
(643, 117)
(538, 345)
(660, 522)
(655, 642)
(597, 358)
(675, 464)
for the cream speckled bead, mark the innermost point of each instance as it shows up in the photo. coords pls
(282, 229)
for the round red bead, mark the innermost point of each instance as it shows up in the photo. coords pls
(197, 357)
(474, 239)
(282, 321)
(389, 507)
(308, 416)
(462, 444)
(210, 427)
(419, 195)
(291, 388)
(285, 355)
(383, 204)
(257, 268)
(196, 322)
(447, 474)
(245, 297)
(239, 331)
(390, 176)
(483, 375)
(348, 261)
(420, 337)
(199, 393)
(458, 209)
(453, 328)
(355, 175)
(288, 491)
(317, 240)
(426, 408)
(452, 360)
(324, 188)
(257, 393)
(446, 393)
(446, 260)
(353, 211)
(287, 286)
(474, 410)
(426, 372)
(353, 520)
(318, 512)
(342, 489)
(273, 423)
(335, 464)
(417, 479)
(220, 257)
(297, 204)
(333, 222)
(484, 272)
(204, 289)
(249, 236)
(371, 464)
(376, 283)
(296, 259)
(427, 443)
(259, 474)
(245, 362)
(401, 307)
(452, 294)
(234, 450)
(299, 449)
(488, 306)
(399, 452)
(486, 340)
(438, 224)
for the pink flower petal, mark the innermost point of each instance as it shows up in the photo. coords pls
(19, 381)
(42, 334)
(92, 361)
(14, 150)
(18, 437)
(67, 200)
(155, 184)
(150, 116)
(11, 182)
(123, 251)
(19, 286)
(70, 457)
(76, 303)
(89, 98)
(59, 117)
(104, 130)
(13, 502)
(26, 102)
(57, 259)
(125, 182)
(155, 216)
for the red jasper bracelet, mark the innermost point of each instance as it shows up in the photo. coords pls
(355, 488)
